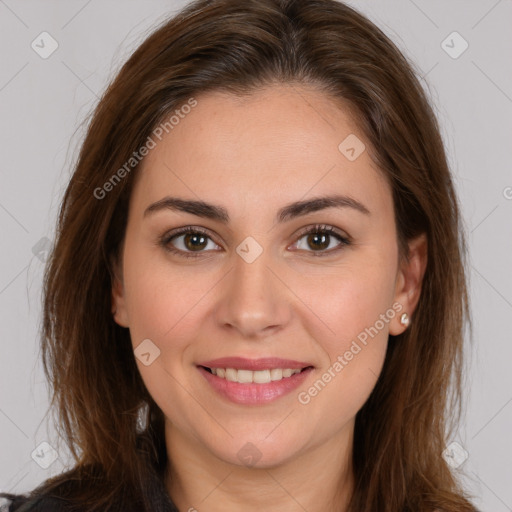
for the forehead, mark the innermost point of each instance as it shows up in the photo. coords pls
(278, 144)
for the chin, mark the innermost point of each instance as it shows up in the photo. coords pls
(253, 454)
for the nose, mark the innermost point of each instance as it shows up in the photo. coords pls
(253, 302)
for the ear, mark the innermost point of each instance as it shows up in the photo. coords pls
(409, 281)
(119, 310)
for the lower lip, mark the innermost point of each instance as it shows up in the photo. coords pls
(255, 394)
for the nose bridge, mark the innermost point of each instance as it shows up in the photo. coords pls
(251, 277)
(252, 302)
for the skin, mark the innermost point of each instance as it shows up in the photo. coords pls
(253, 156)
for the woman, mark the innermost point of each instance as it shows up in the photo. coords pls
(257, 294)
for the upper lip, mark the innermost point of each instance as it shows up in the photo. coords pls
(264, 363)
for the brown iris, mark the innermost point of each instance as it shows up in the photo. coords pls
(318, 241)
(195, 241)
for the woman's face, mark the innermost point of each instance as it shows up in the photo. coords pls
(256, 286)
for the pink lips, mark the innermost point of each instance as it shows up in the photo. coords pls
(251, 393)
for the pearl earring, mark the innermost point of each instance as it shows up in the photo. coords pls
(404, 319)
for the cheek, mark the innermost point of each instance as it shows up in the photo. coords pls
(160, 298)
(163, 307)
(352, 309)
(354, 352)
(348, 298)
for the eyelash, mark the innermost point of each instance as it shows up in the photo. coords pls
(316, 229)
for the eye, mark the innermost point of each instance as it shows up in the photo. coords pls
(319, 238)
(187, 241)
(192, 241)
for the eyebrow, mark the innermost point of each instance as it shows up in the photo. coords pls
(288, 212)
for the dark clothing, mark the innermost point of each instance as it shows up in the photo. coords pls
(154, 489)
(21, 503)
(90, 480)
(24, 504)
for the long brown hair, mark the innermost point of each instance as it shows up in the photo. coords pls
(239, 47)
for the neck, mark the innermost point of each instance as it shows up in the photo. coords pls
(319, 479)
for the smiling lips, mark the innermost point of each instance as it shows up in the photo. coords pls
(254, 381)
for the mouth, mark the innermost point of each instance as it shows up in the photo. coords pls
(254, 381)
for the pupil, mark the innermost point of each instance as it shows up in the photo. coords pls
(321, 241)
(194, 241)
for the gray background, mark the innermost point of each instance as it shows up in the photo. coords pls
(43, 102)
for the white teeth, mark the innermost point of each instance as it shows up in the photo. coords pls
(244, 376)
(231, 375)
(258, 377)
(276, 374)
(261, 377)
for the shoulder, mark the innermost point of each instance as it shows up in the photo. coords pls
(22, 503)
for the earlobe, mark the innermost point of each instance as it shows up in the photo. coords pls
(409, 283)
(119, 312)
